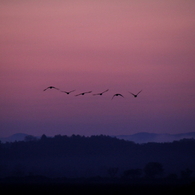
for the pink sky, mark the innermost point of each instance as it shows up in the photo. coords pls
(97, 45)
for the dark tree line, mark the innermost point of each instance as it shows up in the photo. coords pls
(75, 156)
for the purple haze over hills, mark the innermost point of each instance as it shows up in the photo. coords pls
(142, 137)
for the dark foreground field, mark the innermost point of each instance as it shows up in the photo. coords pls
(96, 188)
(97, 165)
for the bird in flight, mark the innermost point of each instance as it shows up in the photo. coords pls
(135, 95)
(50, 87)
(67, 92)
(117, 94)
(83, 93)
(101, 92)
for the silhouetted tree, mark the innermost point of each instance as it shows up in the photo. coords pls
(172, 176)
(43, 137)
(30, 138)
(186, 174)
(152, 169)
(113, 171)
(132, 173)
(87, 153)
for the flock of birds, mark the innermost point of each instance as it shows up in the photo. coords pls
(83, 93)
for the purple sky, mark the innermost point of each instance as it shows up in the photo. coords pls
(85, 45)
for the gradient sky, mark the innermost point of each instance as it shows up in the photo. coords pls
(123, 46)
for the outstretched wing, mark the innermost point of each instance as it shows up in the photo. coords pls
(132, 93)
(101, 92)
(117, 94)
(55, 88)
(71, 91)
(88, 92)
(46, 89)
(121, 95)
(78, 94)
(113, 96)
(51, 87)
(139, 92)
(105, 91)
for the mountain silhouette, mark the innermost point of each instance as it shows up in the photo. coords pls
(142, 137)
(14, 137)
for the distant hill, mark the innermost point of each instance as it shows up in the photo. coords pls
(140, 138)
(145, 137)
(13, 138)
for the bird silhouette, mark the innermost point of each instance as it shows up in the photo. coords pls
(101, 92)
(135, 95)
(50, 87)
(117, 94)
(83, 93)
(68, 92)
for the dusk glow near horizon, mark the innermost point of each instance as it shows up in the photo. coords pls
(124, 46)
